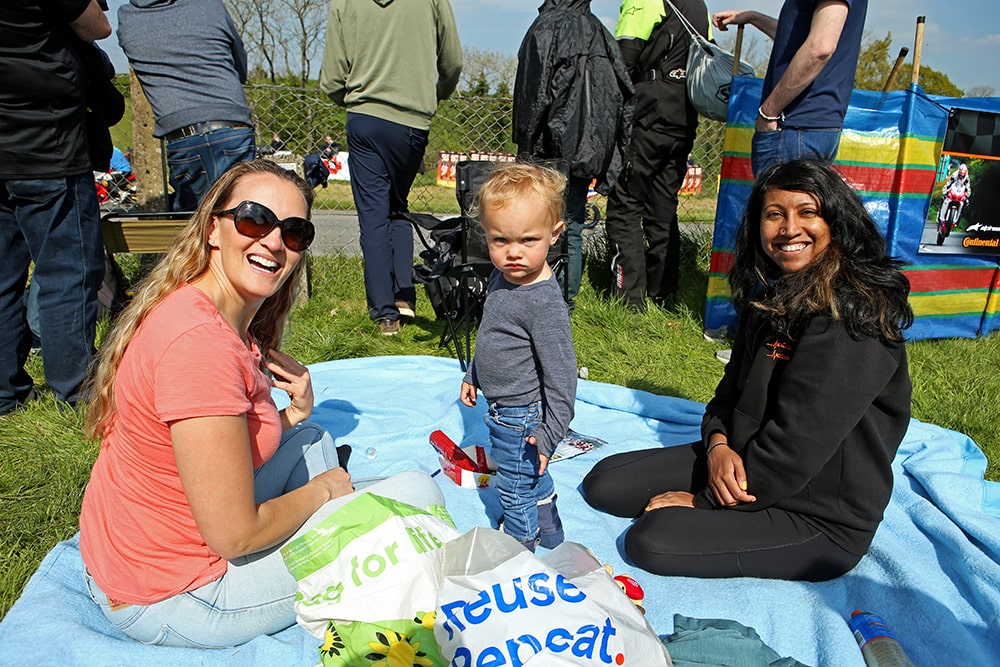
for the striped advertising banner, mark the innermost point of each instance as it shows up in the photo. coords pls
(889, 153)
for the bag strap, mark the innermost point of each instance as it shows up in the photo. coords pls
(695, 35)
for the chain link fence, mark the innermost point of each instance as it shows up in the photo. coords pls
(464, 127)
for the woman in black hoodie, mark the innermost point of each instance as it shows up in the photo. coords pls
(793, 471)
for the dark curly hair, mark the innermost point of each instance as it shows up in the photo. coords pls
(853, 280)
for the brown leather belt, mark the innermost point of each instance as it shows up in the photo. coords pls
(204, 128)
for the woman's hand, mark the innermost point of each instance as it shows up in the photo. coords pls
(671, 499)
(293, 378)
(336, 482)
(468, 395)
(727, 477)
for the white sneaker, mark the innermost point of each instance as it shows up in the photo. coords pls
(724, 355)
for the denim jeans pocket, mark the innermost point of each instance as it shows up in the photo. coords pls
(123, 617)
(37, 190)
(516, 419)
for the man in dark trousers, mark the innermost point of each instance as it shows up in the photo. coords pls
(573, 101)
(643, 235)
(389, 62)
(48, 203)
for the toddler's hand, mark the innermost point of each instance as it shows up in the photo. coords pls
(468, 395)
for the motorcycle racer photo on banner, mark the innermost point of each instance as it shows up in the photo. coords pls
(956, 192)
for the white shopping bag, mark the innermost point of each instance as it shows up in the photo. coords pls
(500, 604)
(373, 560)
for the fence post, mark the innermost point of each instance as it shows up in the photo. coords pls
(147, 153)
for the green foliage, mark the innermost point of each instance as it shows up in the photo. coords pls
(875, 63)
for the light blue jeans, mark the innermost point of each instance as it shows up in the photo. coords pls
(768, 149)
(255, 595)
(518, 481)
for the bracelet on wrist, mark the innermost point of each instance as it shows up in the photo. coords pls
(772, 119)
(713, 445)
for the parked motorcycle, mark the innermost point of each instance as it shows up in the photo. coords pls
(115, 189)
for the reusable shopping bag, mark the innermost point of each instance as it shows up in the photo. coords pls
(500, 604)
(368, 577)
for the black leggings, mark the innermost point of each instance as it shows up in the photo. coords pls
(769, 543)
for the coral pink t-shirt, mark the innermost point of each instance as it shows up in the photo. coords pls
(138, 536)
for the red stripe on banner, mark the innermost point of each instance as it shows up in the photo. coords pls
(888, 179)
(928, 281)
(873, 179)
(737, 168)
(721, 262)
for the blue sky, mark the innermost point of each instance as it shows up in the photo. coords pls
(961, 38)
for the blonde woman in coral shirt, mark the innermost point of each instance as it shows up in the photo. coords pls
(200, 478)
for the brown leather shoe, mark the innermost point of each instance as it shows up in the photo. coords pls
(405, 309)
(388, 327)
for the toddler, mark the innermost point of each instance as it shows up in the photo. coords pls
(524, 361)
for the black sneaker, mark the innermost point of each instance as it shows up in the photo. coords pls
(551, 534)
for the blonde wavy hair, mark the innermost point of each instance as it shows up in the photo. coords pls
(187, 259)
(511, 180)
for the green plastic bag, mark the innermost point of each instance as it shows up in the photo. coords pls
(368, 577)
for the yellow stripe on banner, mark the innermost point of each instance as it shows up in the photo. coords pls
(867, 148)
(993, 303)
(923, 152)
(718, 287)
(737, 140)
(952, 303)
(877, 148)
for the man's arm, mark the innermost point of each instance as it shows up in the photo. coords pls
(92, 24)
(766, 24)
(449, 52)
(824, 34)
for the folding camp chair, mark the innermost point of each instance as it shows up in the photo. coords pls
(456, 263)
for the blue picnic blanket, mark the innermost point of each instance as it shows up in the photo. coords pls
(933, 571)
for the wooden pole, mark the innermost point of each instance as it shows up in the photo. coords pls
(739, 48)
(891, 81)
(917, 48)
(147, 153)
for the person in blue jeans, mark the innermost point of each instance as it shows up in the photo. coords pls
(48, 205)
(196, 94)
(200, 478)
(197, 161)
(809, 78)
(524, 364)
(807, 87)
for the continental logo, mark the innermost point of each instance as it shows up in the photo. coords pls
(591, 642)
(969, 242)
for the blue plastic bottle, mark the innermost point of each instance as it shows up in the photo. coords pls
(879, 645)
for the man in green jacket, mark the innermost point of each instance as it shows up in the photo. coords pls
(389, 63)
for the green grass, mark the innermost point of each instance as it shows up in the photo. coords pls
(45, 460)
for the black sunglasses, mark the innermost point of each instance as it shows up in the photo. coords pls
(256, 221)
